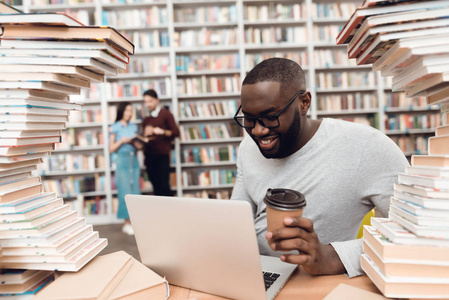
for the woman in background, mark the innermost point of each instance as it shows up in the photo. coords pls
(127, 172)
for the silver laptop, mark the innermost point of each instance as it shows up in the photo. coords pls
(205, 245)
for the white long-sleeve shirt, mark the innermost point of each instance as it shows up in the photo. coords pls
(344, 171)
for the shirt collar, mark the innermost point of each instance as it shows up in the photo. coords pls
(155, 112)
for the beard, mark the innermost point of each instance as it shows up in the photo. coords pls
(287, 141)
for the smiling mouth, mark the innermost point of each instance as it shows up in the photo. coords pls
(267, 143)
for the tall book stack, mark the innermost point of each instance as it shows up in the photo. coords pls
(44, 58)
(407, 254)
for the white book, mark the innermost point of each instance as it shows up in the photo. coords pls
(429, 221)
(98, 54)
(397, 234)
(56, 18)
(64, 44)
(432, 182)
(418, 210)
(422, 231)
(428, 171)
(88, 63)
(409, 194)
(38, 103)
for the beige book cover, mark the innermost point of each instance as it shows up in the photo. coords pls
(345, 291)
(141, 283)
(96, 280)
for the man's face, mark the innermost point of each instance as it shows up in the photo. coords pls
(265, 98)
(150, 102)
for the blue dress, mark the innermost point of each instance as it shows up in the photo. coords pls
(127, 173)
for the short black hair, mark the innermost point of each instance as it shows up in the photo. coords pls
(121, 109)
(285, 71)
(151, 93)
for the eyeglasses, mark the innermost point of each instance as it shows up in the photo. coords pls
(267, 121)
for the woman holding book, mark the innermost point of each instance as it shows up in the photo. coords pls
(127, 173)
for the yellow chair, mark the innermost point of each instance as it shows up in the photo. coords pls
(366, 221)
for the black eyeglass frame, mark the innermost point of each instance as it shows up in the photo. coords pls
(259, 119)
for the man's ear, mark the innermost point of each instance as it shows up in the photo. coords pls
(304, 104)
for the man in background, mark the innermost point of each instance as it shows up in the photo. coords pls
(344, 170)
(161, 129)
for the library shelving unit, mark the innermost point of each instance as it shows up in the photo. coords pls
(195, 53)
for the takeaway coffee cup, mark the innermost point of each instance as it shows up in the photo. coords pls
(282, 203)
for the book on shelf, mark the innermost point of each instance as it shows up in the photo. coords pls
(86, 33)
(400, 267)
(403, 286)
(89, 63)
(74, 264)
(39, 18)
(98, 54)
(407, 48)
(427, 217)
(382, 42)
(428, 171)
(425, 197)
(402, 21)
(408, 250)
(426, 181)
(361, 13)
(442, 130)
(421, 230)
(29, 282)
(68, 45)
(430, 160)
(438, 145)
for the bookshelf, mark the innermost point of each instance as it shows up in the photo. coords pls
(195, 53)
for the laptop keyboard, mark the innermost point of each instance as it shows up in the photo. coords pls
(269, 278)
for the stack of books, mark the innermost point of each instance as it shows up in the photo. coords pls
(44, 59)
(407, 254)
(407, 40)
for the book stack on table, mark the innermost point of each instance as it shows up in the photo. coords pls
(44, 59)
(407, 254)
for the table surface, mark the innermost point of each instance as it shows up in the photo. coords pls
(300, 286)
